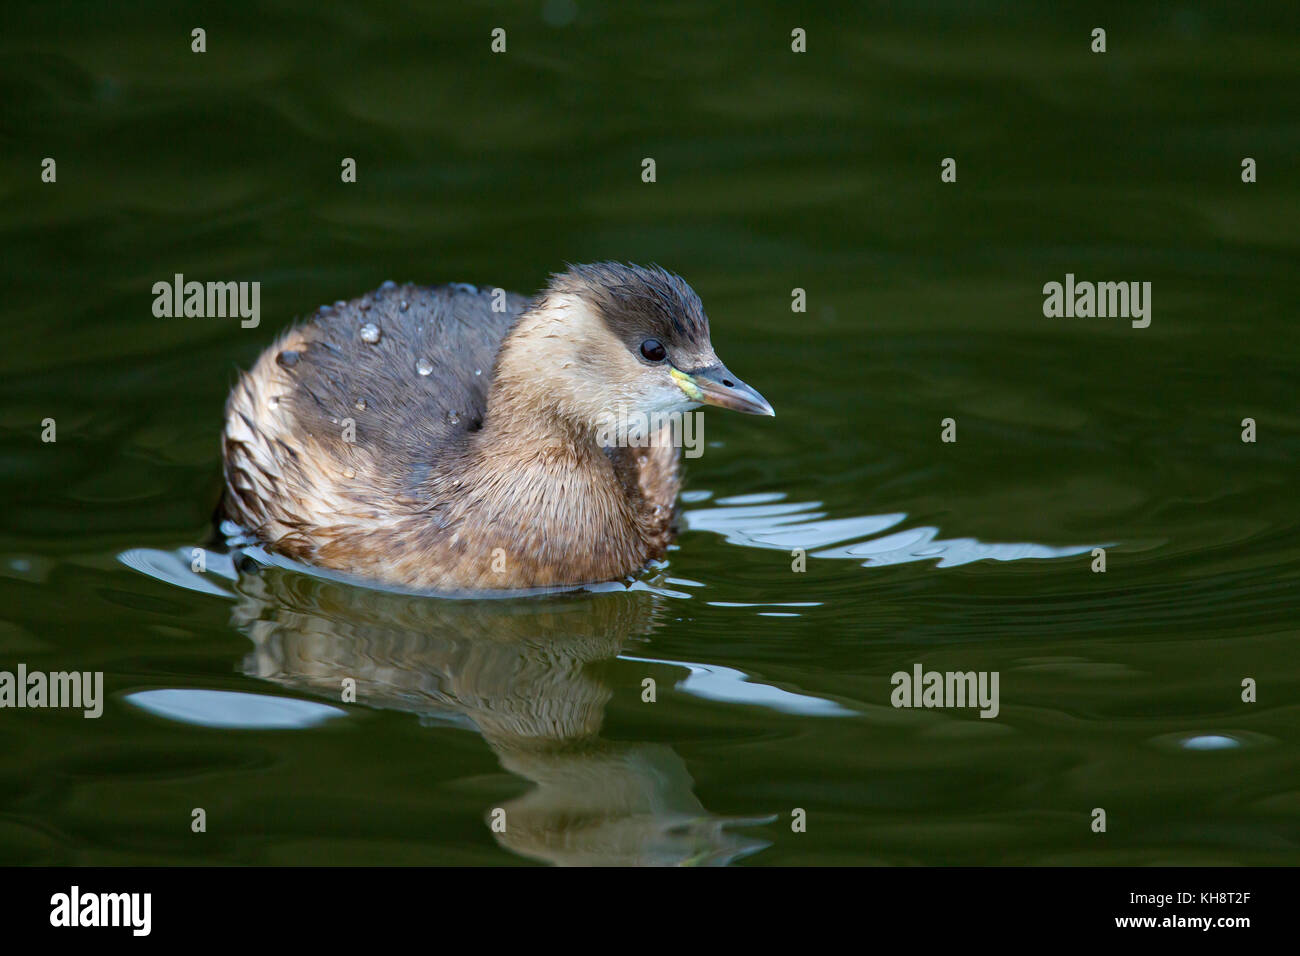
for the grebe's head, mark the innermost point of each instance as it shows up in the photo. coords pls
(615, 341)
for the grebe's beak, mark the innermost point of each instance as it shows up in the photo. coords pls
(714, 385)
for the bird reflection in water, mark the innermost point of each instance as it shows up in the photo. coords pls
(530, 676)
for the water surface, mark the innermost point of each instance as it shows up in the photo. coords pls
(1119, 690)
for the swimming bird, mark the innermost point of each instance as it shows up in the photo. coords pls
(452, 438)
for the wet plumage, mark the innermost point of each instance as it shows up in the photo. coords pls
(417, 437)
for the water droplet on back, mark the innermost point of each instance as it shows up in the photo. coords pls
(424, 367)
(370, 333)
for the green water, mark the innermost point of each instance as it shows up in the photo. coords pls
(775, 170)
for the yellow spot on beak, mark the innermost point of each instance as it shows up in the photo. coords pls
(687, 385)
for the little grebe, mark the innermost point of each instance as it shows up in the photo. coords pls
(452, 438)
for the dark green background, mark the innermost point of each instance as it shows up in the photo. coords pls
(775, 171)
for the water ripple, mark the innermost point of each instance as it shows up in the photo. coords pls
(800, 525)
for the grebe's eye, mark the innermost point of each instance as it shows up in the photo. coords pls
(653, 350)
